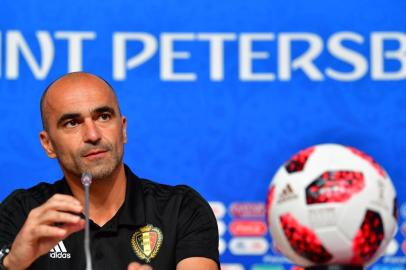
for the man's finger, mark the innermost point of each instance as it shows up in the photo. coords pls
(137, 266)
(145, 267)
(48, 232)
(133, 266)
(72, 228)
(65, 206)
(64, 198)
(56, 217)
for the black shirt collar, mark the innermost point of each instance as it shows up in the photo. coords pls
(132, 211)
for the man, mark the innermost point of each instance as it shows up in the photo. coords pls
(132, 219)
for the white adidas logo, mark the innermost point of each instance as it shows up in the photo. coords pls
(59, 252)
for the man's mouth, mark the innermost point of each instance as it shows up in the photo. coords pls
(95, 154)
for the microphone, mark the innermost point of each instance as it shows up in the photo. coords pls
(86, 180)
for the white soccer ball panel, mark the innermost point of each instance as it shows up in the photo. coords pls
(336, 243)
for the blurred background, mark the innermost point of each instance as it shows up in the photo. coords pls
(218, 95)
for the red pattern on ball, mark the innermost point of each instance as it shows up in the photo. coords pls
(371, 161)
(298, 161)
(368, 238)
(335, 186)
(269, 200)
(303, 240)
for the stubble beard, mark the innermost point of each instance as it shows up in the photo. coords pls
(100, 168)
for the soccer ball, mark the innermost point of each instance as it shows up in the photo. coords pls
(331, 205)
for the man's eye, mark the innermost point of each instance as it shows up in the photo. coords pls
(71, 123)
(104, 117)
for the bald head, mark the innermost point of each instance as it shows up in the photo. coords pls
(83, 126)
(74, 79)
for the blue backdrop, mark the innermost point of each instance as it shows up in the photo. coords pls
(218, 94)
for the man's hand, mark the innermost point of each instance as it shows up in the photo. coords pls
(44, 227)
(197, 263)
(137, 266)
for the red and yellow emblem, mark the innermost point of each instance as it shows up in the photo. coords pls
(146, 242)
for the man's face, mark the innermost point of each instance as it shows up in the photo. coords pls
(85, 130)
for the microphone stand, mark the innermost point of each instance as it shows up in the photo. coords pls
(86, 181)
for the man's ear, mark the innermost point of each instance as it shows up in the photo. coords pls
(124, 128)
(47, 144)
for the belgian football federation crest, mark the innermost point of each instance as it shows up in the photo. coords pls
(146, 242)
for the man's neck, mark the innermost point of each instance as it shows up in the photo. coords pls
(106, 195)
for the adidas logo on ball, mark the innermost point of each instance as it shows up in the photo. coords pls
(59, 252)
(287, 194)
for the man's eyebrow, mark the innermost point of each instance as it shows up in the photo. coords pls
(104, 109)
(67, 116)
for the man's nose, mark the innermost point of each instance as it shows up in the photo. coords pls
(91, 132)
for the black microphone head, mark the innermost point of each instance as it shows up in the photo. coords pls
(86, 178)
